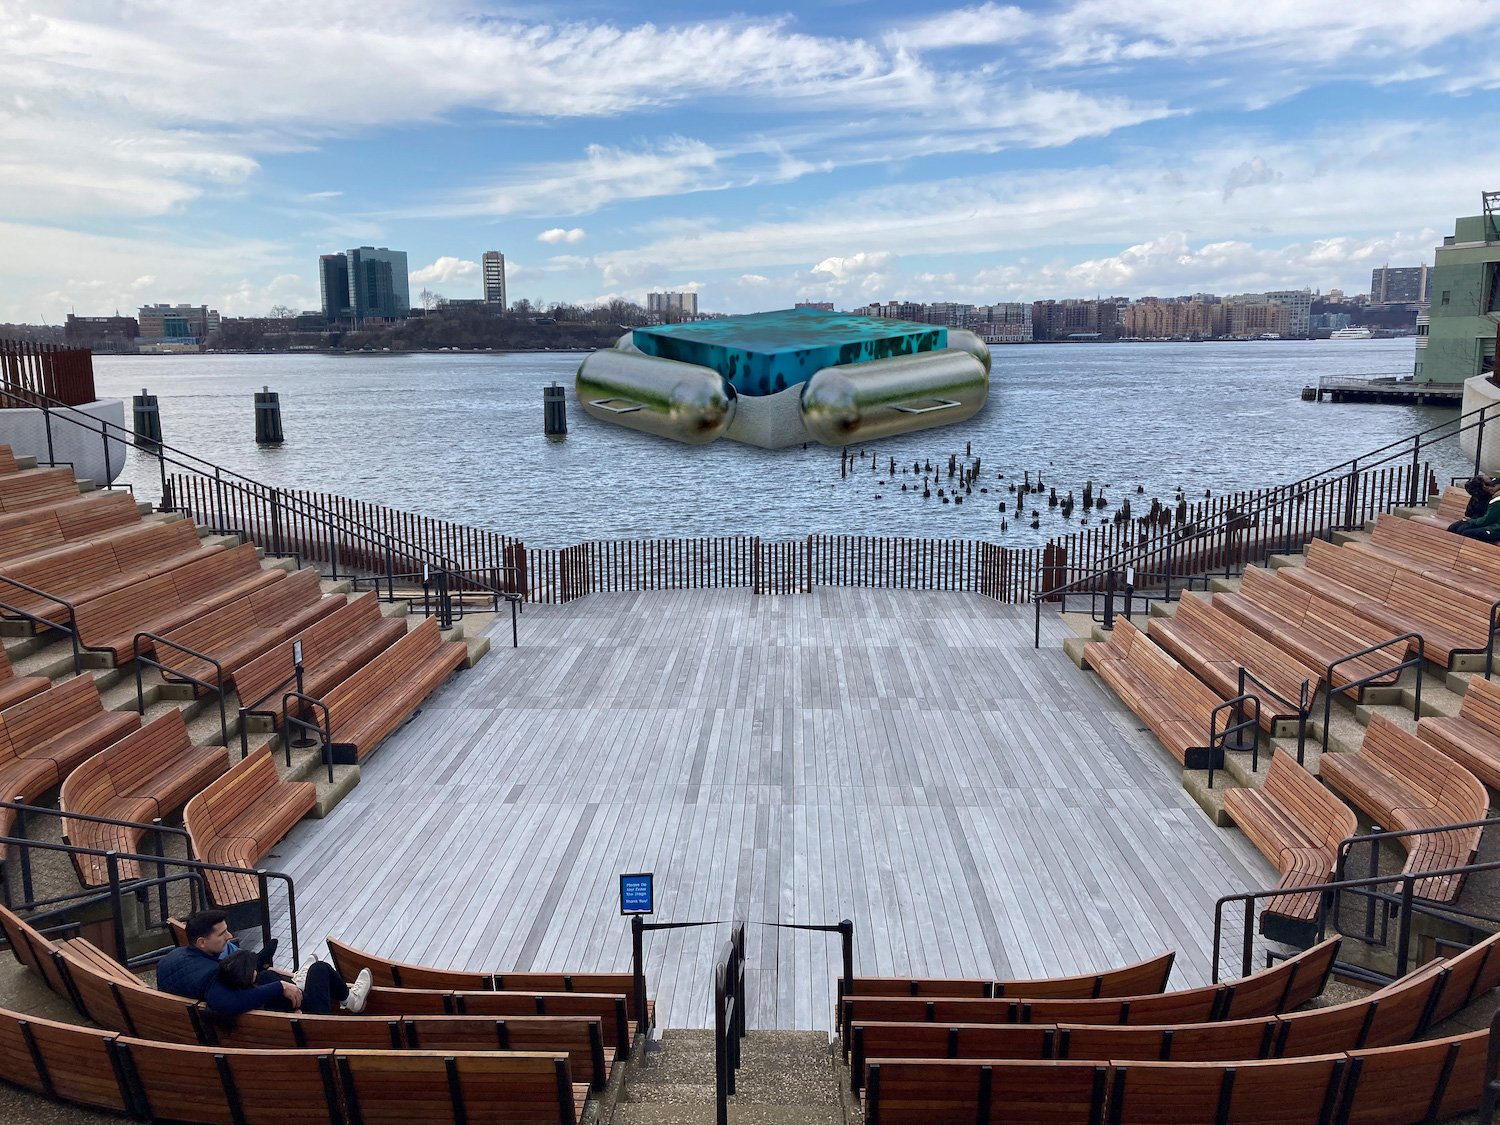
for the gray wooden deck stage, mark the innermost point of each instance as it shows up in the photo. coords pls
(907, 760)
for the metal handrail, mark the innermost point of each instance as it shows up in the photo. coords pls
(1303, 704)
(117, 888)
(71, 628)
(729, 1018)
(325, 732)
(1329, 692)
(215, 688)
(1219, 739)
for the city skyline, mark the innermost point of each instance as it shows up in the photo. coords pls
(979, 153)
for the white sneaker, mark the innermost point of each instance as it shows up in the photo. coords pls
(299, 978)
(359, 993)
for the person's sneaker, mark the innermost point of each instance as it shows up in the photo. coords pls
(359, 992)
(299, 978)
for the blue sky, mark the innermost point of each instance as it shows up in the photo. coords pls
(757, 154)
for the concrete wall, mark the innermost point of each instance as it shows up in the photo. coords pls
(1480, 392)
(25, 431)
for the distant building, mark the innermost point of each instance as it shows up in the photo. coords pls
(672, 306)
(1298, 305)
(1173, 318)
(1248, 315)
(494, 278)
(182, 325)
(821, 306)
(102, 333)
(1404, 285)
(1006, 323)
(1075, 320)
(371, 283)
(1465, 309)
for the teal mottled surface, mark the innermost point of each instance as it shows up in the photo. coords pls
(763, 353)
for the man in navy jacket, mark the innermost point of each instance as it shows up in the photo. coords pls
(193, 971)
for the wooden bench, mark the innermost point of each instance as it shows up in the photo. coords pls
(1318, 632)
(1450, 620)
(14, 688)
(1437, 554)
(1215, 646)
(1401, 785)
(520, 1088)
(1169, 699)
(1142, 977)
(1452, 504)
(45, 738)
(239, 817)
(93, 516)
(1472, 737)
(333, 648)
(377, 698)
(8, 460)
(238, 632)
(170, 600)
(1297, 824)
(36, 488)
(80, 572)
(148, 774)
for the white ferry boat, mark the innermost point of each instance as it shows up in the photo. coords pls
(1350, 334)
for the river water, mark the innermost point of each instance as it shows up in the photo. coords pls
(460, 437)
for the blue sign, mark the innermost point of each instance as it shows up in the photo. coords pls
(636, 896)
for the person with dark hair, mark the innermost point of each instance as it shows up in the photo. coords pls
(197, 971)
(1484, 525)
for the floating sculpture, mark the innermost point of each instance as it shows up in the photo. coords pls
(781, 378)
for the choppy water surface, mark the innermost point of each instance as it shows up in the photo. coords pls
(460, 437)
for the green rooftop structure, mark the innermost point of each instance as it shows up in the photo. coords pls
(1465, 293)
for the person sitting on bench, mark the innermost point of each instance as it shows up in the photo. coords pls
(1485, 525)
(193, 971)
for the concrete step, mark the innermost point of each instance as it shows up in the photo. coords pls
(1211, 801)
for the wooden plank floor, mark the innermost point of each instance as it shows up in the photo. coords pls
(906, 760)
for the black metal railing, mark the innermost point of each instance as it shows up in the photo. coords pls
(1243, 715)
(1381, 677)
(213, 687)
(729, 1018)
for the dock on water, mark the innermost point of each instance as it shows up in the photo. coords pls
(1392, 390)
(903, 759)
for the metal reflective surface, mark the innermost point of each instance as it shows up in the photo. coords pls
(681, 401)
(861, 402)
(966, 341)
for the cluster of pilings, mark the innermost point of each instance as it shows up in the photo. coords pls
(146, 419)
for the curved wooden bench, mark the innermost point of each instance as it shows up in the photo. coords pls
(14, 688)
(8, 460)
(898, 1091)
(1298, 825)
(168, 600)
(1142, 977)
(149, 773)
(1169, 699)
(36, 488)
(89, 517)
(45, 738)
(1472, 737)
(242, 815)
(1452, 504)
(246, 628)
(333, 648)
(1215, 646)
(378, 698)
(1438, 554)
(1318, 632)
(1400, 784)
(80, 572)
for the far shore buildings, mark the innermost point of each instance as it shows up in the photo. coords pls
(494, 280)
(1464, 315)
(1403, 285)
(364, 283)
(175, 328)
(104, 334)
(671, 308)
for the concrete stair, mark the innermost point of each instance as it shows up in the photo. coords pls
(785, 1078)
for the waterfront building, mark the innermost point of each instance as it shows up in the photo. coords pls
(1075, 319)
(1403, 285)
(820, 306)
(333, 283)
(494, 279)
(1465, 292)
(1179, 318)
(1248, 315)
(1006, 323)
(670, 307)
(176, 324)
(102, 333)
(378, 284)
(1298, 305)
(1330, 322)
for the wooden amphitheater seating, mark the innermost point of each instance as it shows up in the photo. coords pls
(170, 600)
(1168, 698)
(406, 1086)
(63, 1060)
(1400, 784)
(149, 773)
(611, 1009)
(239, 817)
(1215, 646)
(1472, 737)
(238, 632)
(1298, 825)
(333, 648)
(378, 698)
(899, 1091)
(1452, 504)
(1314, 630)
(45, 738)
(36, 488)
(81, 572)
(8, 460)
(14, 688)
(94, 516)
(1138, 979)
(1440, 555)
(1450, 619)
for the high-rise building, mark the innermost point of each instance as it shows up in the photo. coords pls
(1403, 285)
(494, 278)
(1298, 305)
(364, 283)
(672, 306)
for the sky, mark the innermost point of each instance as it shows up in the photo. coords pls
(757, 154)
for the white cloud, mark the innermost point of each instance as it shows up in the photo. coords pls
(445, 270)
(559, 234)
(986, 25)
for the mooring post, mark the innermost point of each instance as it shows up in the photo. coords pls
(554, 411)
(268, 417)
(147, 420)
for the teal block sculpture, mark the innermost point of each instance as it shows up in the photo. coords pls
(764, 353)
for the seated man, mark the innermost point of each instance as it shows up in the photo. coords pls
(193, 971)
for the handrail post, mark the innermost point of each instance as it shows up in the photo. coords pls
(117, 905)
(27, 889)
(1416, 457)
(1109, 599)
(47, 422)
(1479, 440)
(1403, 932)
(263, 886)
(638, 970)
(1247, 957)
(846, 938)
